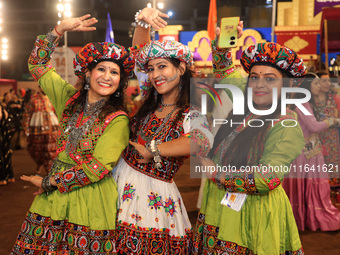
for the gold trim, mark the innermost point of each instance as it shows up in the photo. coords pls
(170, 30)
(203, 63)
(296, 43)
(296, 28)
(196, 39)
(307, 56)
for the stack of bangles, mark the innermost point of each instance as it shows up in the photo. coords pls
(51, 38)
(217, 179)
(153, 149)
(141, 23)
(46, 184)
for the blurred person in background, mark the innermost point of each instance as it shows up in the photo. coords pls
(40, 125)
(6, 169)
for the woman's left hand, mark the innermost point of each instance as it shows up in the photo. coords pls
(84, 23)
(35, 180)
(147, 156)
(153, 17)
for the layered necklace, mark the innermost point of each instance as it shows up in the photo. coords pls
(75, 134)
(158, 130)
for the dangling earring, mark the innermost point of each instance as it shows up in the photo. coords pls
(117, 94)
(87, 85)
(180, 83)
(155, 93)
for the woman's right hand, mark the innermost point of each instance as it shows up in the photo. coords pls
(239, 31)
(83, 23)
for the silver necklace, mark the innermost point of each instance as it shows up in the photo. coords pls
(158, 130)
(90, 109)
(160, 109)
(75, 134)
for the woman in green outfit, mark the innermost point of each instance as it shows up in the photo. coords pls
(74, 210)
(256, 216)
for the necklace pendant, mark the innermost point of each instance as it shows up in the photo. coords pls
(160, 109)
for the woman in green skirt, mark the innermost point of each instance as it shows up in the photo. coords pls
(244, 208)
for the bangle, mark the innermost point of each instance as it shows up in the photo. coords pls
(141, 23)
(51, 38)
(147, 146)
(55, 29)
(156, 154)
(218, 182)
(46, 184)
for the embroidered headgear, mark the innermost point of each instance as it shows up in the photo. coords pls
(163, 49)
(277, 56)
(100, 51)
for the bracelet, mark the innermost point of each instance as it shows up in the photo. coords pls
(156, 154)
(46, 184)
(55, 29)
(51, 38)
(141, 22)
(147, 146)
(218, 182)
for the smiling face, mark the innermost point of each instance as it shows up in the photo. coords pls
(262, 79)
(325, 83)
(164, 76)
(315, 87)
(104, 81)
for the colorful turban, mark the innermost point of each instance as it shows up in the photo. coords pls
(275, 55)
(102, 51)
(163, 49)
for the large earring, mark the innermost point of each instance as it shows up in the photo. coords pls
(155, 93)
(180, 83)
(87, 85)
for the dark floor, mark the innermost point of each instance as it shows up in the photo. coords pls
(15, 200)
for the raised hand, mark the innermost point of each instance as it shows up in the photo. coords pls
(153, 17)
(239, 30)
(83, 23)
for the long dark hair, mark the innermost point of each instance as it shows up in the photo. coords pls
(306, 84)
(115, 103)
(238, 152)
(151, 102)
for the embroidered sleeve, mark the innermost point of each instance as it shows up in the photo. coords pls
(39, 64)
(71, 179)
(240, 181)
(235, 180)
(224, 70)
(284, 144)
(196, 126)
(104, 158)
(40, 57)
(222, 61)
